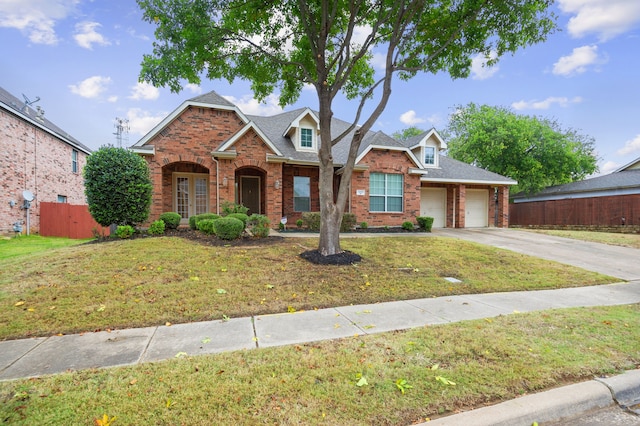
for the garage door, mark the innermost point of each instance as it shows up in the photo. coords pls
(477, 208)
(433, 203)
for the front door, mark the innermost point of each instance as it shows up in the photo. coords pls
(191, 194)
(250, 193)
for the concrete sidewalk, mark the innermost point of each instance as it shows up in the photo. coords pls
(56, 354)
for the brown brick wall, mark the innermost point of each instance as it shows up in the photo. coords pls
(32, 159)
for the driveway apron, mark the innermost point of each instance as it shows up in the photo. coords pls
(619, 262)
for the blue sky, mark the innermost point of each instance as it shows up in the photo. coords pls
(82, 58)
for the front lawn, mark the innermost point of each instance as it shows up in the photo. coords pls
(398, 378)
(152, 281)
(612, 238)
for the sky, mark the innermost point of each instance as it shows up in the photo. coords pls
(82, 59)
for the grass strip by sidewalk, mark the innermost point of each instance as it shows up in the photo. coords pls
(152, 281)
(611, 238)
(387, 379)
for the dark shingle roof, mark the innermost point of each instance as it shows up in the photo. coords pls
(16, 106)
(454, 170)
(212, 98)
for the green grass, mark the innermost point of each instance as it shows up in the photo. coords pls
(611, 238)
(488, 360)
(12, 247)
(151, 281)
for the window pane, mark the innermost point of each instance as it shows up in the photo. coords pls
(201, 195)
(394, 204)
(376, 204)
(394, 185)
(301, 193)
(429, 155)
(376, 184)
(306, 138)
(301, 204)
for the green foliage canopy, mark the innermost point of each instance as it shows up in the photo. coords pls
(117, 186)
(535, 151)
(408, 133)
(283, 45)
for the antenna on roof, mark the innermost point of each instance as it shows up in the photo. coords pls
(27, 102)
(122, 129)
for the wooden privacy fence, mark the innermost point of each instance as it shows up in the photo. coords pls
(68, 220)
(605, 211)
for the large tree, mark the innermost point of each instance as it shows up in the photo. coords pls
(330, 44)
(535, 151)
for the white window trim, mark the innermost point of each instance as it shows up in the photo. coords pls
(314, 140)
(386, 208)
(435, 156)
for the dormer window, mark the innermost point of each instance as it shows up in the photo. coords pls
(429, 155)
(306, 138)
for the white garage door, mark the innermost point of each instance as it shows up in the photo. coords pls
(477, 208)
(433, 203)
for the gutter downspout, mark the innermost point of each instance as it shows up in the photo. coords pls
(454, 207)
(217, 185)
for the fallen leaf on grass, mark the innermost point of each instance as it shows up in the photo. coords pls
(221, 291)
(445, 381)
(20, 303)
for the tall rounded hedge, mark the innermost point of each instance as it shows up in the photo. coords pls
(117, 186)
(171, 219)
(228, 228)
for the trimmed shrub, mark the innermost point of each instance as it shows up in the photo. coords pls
(157, 227)
(425, 223)
(311, 220)
(229, 207)
(203, 216)
(228, 228)
(171, 219)
(207, 226)
(193, 222)
(242, 216)
(364, 225)
(407, 226)
(125, 231)
(348, 222)
(299, 223)
(258, 225)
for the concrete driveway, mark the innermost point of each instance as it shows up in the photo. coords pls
(619, 262)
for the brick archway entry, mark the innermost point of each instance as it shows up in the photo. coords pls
(250, 190)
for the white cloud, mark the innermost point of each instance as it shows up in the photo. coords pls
(546, 103)
(630, 146)
(379, 61)
(35, 18)
(86, 35)
(144, 91)
(249, 105)
(194, 88)
(608, 167)
(91, 87)
(410, 119)
(479, 68)
(606, 18)
(578, 61)
(112, 99)
(141, 122)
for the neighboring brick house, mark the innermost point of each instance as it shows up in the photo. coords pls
(35, 156)
(207, 152)
(608, 200)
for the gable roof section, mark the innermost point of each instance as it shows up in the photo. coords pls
(635, 164)
(296, 121)
(379, 140)
(420, 140)
(16, 107)
(208, 100)
(616, 183)
(249, 126)
(454, 171)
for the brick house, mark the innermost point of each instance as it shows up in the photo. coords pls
(207, 151)
(35, 156)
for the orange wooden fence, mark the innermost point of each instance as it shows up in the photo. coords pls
(68, 220)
